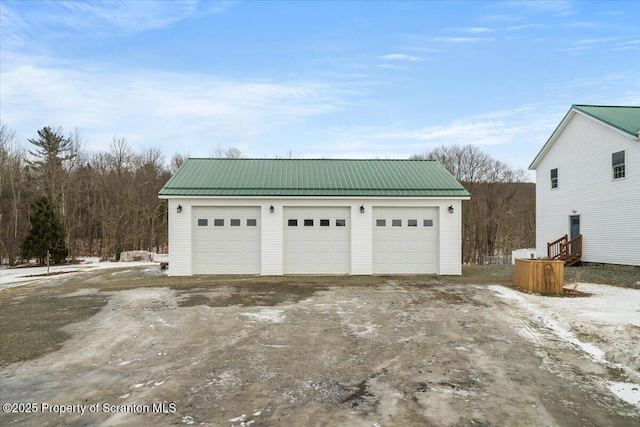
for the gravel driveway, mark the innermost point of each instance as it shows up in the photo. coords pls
(150, 350)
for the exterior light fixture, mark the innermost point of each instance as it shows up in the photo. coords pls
(361, 208)
(179, 209)
(271, 209)
(450, 208)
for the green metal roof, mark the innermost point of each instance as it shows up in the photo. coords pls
(306, 177)
(627, 119)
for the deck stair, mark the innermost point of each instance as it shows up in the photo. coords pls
(563, 249)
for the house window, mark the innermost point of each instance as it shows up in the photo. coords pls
(340, 223)
(554, 178)
(203, 222)
(252, 222)
(412, 223)
(308, 223)
(218, 222)
(617, 162)
(235, 223)
(396, 223)
(427, 223)
(324, 223)
(381, 222)
(292, 223)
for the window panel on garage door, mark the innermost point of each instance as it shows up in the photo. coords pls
(403, 243)
(319, 242)
(228, 242)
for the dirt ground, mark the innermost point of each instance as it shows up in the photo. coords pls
(134, 347)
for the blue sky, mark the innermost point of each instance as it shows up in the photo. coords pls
(337, 79)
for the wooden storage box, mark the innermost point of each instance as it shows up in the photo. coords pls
(541, 276)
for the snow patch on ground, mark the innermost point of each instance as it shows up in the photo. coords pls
(546, 318)
(609, 319)
(266, 315)
(628, 392)
(354, 321)
(607, 322)
(11, 277)
(81, 293)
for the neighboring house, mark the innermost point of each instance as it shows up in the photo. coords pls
(588, 185)
(293, 216)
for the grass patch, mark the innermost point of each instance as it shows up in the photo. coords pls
(606, 274)
(32, 326)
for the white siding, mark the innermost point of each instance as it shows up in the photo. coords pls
(609, 209)
(272, 242)
(449, 227)
(179, 238)
(361, 239)
(450, 238)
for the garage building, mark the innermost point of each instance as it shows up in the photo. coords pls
(304, 216)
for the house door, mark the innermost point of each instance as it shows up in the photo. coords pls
(574, 230)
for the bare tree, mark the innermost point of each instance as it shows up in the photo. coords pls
(226, 153)
(116, 200)
(107, 201)
(176, 161)
(288, 155)
(149, 175)
(13, 193)
(494, 212)
(72, 207)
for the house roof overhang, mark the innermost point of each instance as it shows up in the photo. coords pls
(573, 111)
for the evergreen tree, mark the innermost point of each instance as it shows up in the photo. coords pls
(46, 234)
(52, 150)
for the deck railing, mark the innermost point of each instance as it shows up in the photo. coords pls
(565, 249)
(557, 248)
(575, 245)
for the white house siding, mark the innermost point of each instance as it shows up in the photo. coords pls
(609, 209)
(272, 243)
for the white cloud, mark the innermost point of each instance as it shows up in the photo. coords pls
(477, 30)
(460, 39)
(459, 132)
(157, 108)
(506, 128)
(46, 23)
(629, 45)
(613, 43)
(527, 27)
(557, 7)
(400, 57)
(597, 41)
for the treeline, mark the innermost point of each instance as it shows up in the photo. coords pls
(501, 214)
(106, 202)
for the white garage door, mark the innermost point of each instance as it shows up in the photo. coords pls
(317, 240)
(226, 240)
(405, 240)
